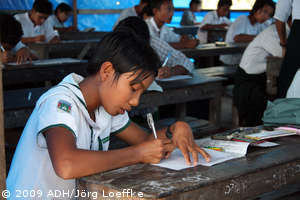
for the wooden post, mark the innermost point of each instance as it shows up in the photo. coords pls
(2, 143)
(75, 13)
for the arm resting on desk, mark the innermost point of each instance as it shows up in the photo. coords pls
(243, 38)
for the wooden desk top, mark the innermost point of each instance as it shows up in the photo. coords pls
(261, 171)
(211, 49)
(81, 35)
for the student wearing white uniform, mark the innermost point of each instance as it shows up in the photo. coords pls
(12, 49)
(133, 11)
(188, 17)
(35, 26)
(245, 28)
(61, 14)
(67, 135)
(215, 20)
(294, 89)
(291, 46)
(249, 93)
(163, 11)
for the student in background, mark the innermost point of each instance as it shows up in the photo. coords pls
(291, 46)
(133, 11)
(34, 23)
(67, 135)
(178, 63)
(163, 12)
(217, 19)
(61, 14)
(188, 17)
(249, 92)
(245, 28)
(12, 49)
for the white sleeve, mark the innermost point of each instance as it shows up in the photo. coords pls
(168, 35)
(57, 111)
(270, 41)
(208, 19)
(238, 27)
(49, 31)
(283, 10)
(294, 89)
(120, 123)
(18, 46)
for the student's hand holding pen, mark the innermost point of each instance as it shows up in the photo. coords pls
(182, 137)
(6, 57)
(189, 43)
(40, 38)
(23, 55)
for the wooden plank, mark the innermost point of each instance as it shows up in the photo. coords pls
(2, 139)
(82, 35)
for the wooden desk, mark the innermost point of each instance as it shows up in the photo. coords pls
(262, 170)
(82, 35)
(186, 30)
(65, 48)
(211, 49)
(214, 35)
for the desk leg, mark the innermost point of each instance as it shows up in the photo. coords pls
(2, 143)
(215, 110)
(180, 111)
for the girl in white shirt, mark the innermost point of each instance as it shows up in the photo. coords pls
(245, 28)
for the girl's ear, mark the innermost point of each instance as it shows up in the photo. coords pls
(106, 71)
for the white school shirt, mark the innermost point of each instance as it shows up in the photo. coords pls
(162, 49)
(30, 30)
(165, 33)
(294, 89)
(265, 44)
(54, 22)
(211, 18)
(242, 25)
(188, 18)
(18, 46)
(129, 12)
(284, 8)
(61, 106)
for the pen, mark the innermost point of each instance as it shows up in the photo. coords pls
(166, 60)
(2, 49)
(151, 124)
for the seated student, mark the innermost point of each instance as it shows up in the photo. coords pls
(188, 17)
(61, 14)
(178, 63)
(67, 136)
(34, 23)
(215, 19)
(245, 28)
(133, 11)
(12, 49)
(163, 12)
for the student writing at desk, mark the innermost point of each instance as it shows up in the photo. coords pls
(217, 19)
(245, 28)
(12, 49)
(68, 133)
(61, 14)
(34, 23)
(188, 17)
(163, 11)
(249, 93)
(177, 63)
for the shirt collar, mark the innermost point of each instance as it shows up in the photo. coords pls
(153, 23)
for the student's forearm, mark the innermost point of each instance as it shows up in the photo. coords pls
(179, 70)
(244, 38)
(177, 45)
(28, 39)
(280, 26)
(211, 26)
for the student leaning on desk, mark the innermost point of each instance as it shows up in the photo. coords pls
(36, 27)
(12, 49)
(163, 11)
(67, 136)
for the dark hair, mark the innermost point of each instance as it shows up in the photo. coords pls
(128, 53)
(195, 2)
(224, 3)
(260, 4)
(158, 3)
(135, 24)
(147, 10)
(10, 30)
(63, 7)
(145, 1)
(42, 6)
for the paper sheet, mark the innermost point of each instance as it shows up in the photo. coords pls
(269, 134)
(49, 61)
(175, 78)
(232, 150)
(155, 87)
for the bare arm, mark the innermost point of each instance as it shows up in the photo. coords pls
(39, 38)
(244, 38)
(280, 26)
